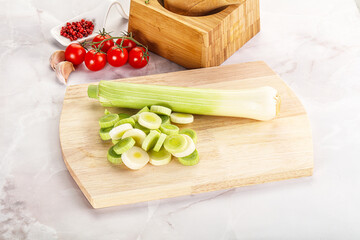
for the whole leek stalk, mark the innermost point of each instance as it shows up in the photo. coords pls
(261, 103)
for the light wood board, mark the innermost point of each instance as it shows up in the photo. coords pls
(234, 152)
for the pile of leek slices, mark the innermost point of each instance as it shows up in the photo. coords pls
(149, 136)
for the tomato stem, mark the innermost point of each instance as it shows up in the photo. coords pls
(98, 45)
(123, 37)
(104, 33)
(98, 49)
(83, 44)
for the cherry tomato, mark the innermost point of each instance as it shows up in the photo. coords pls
(138, 57)
(117, 56)
(105, 45)
(127, 43)
(75, 53)
(95, 61)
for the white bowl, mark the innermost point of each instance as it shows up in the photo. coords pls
(98, 16)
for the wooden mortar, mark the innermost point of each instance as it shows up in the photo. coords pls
(194, 42)
(197, 7)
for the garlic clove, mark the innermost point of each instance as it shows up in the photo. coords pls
(56, 58)
(63, 70)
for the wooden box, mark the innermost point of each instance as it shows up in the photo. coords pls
(194, 42)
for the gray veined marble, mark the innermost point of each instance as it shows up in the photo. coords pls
(313, 45)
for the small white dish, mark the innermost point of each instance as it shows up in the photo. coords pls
(98, 16)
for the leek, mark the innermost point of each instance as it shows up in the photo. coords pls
(190, 160)
(261, 103)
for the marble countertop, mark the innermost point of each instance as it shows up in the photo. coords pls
(313, 45)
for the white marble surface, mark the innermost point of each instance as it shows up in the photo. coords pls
(313, 45)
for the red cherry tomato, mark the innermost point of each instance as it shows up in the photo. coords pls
(127, 43)
(138, 57)
(75, 53)
(117, 56)
(105, 45)
(95, 61)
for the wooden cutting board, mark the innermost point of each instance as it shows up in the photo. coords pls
(233, 152)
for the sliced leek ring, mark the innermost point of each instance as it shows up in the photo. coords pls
(144, 109)
(160, 142)
(125, 120)
(191, 133)
(190, 160)
(181, 118)
(113, 157)
(108, 120)
(123, 145)
(159, 158)
(136, 134)
(135, 158)
(149, 120)
(104, 133)
(190, 147)
(123, 115)
(164, 119)
(160, 110)
(150, 140)
(144, 129)
(136, 116)
(175, 143)
(169, 129)
(117, 132)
